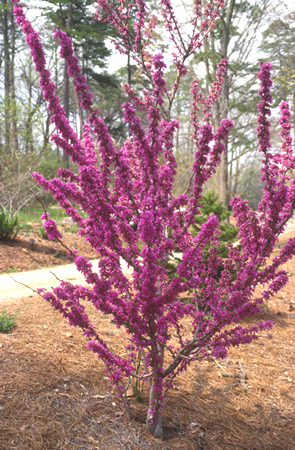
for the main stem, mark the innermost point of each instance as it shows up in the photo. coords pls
(154, 422)
(154, 417)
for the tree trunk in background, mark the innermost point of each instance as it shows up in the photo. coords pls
(46, 134)
(6, 76)
(29, 129)
(80, 129)
(221, 178)
(80, 114)
(66, 99)
(14, 136)
(129, 78)
(129, 74)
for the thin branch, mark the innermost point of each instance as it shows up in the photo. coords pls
(25, 285)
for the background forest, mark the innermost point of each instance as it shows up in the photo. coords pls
(247, 31)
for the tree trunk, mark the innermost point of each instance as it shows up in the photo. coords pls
(129, 78)
(221, 179)
(156, 427)
(66, 102)
(6, 76)
(46, 131)
(129, 74)
(154, 418)
(77, 99)
(80, 114)
(29, 127)
(66, 99)
(14, 136)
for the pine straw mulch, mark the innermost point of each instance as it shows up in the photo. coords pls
(29, 251)
(54, 394)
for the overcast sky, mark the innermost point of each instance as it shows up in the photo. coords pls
(116, 61)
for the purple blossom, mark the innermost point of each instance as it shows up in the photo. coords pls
(44, 216)
(51, 230)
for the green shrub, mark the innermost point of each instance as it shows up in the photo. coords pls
(26, 227)
(9, 226)
(32, 213)
(7, 322)
(228, 232)
(43, 233)
(72, 229)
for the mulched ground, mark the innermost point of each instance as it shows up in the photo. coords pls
(29, 251)
(54, 394)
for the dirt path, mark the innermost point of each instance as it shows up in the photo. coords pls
(12, 289)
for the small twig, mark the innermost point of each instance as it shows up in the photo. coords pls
(219, 365)
(66, 247)
(23, 284)
(103, 397)
(125, 400)
(58, 279)
(141, 377)
(189, 184)
(39, 200)
(243, 377)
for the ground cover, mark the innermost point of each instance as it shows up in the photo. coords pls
(55, 395)
(33, 213)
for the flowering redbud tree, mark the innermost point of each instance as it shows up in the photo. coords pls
(130, 213)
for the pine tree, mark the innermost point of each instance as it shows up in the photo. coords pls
(211, 205)
(89, 37)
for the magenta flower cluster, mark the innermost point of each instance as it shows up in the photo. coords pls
(130, 213)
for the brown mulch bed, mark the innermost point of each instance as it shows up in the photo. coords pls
(54, 394)
(29, 251)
